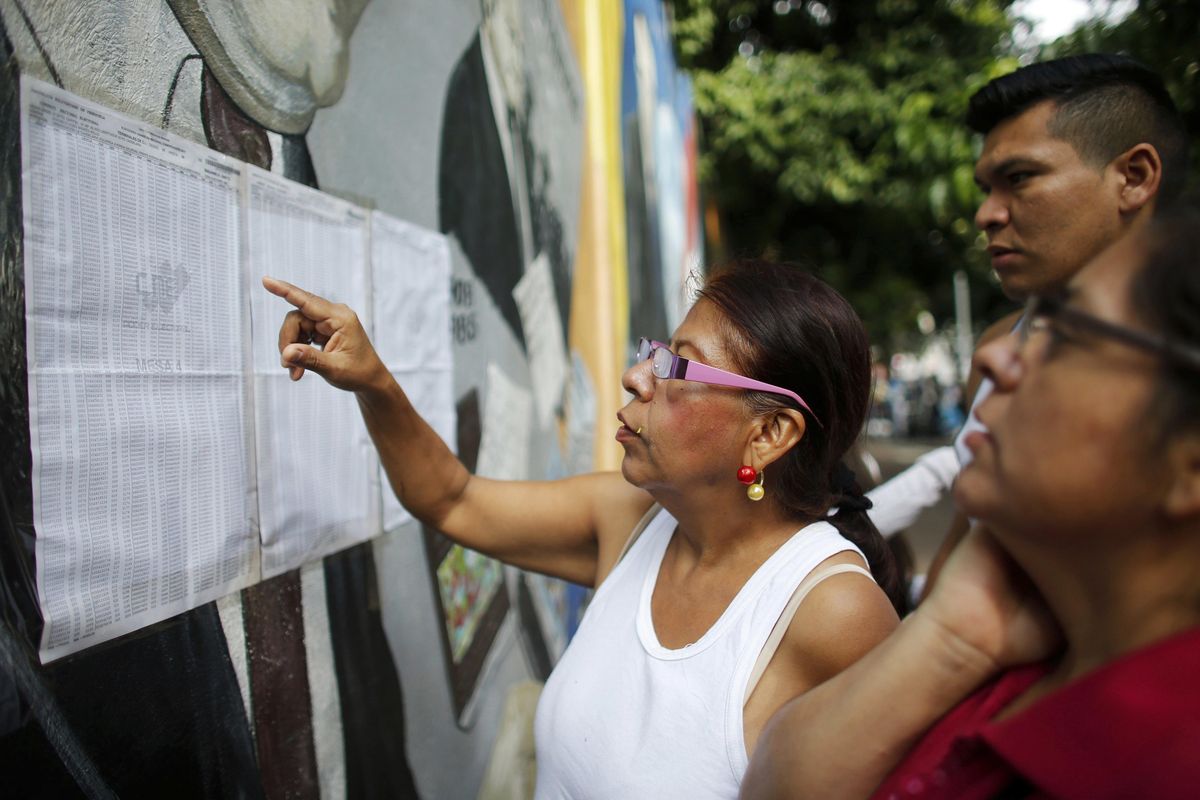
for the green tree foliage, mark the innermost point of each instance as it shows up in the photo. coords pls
(833, 134)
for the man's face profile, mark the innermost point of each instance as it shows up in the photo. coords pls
(1046, 212)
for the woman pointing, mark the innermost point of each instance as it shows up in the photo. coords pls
(733, 439)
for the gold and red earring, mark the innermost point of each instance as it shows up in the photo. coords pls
(755, 491)
(754, 482)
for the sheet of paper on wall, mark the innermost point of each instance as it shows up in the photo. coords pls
(543, 330)
(410, 272)
(317, 469)
(410, 275)
(507, 425)
(142, 474)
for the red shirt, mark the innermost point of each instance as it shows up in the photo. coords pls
(1130, 729)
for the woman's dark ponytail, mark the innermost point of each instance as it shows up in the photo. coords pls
(853, 523)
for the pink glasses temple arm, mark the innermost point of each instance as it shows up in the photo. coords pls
(707, 374)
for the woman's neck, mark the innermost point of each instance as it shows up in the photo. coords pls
(727, 525)
(1110, 600)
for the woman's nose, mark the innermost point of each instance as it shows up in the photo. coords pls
(638, 380)
(1000, 361)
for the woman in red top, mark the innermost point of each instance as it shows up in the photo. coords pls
(1088, 573)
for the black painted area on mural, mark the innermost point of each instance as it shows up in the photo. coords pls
(228, 130)
(154, 714)
(372, 702)
(475, 191)
(474, 196)
(468, 429)
(647, 305)
(368, 683)
(297, 161)
(159, 712)
(531, 631)
(18, 592)
(278, 666)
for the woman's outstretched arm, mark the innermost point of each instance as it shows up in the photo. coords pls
(566, 528)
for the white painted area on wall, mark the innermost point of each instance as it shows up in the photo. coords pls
(122, 54)
(322, 684)
(401, 57)
(229, 610)
(279, 60)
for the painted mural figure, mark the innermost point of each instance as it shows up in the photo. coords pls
(274, 63)
(508, 172)
(734, 489)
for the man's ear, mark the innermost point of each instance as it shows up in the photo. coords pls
(1183, 489)
(775, 434)
(1140, 171)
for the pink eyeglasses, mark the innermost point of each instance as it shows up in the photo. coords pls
(665, 364)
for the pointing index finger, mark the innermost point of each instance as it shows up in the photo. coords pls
(313, 306)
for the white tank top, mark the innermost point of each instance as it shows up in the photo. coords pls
(623, 717)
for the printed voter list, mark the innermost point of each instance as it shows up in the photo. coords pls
(143, 494)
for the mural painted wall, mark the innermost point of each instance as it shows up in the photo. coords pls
(659, 145)
(553, 146)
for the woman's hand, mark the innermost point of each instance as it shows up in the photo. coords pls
(328, 339)
(984, 600)
(843, 736)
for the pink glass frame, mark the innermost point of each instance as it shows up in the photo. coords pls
(685, 369)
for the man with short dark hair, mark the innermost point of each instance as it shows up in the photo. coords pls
(1078, 153)
(1105, 105)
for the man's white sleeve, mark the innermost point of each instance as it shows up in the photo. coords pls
(897, 503)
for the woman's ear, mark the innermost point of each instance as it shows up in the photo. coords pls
(777, 433)
(1183, 490)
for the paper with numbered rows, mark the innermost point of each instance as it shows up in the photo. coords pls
(173, 459)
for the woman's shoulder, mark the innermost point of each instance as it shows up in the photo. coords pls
(841, 618)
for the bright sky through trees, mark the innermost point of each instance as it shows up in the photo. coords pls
(1055, 18)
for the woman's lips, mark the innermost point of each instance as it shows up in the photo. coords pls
(975, 440)
(626, 434)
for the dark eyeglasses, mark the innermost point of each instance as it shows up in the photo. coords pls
(1042, 311)
(665, 365)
